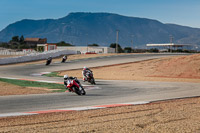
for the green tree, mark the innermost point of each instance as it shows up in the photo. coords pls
(40, 49)
(21, 40)
(15, 39)
(127, 49)
(63, 43)
(5, 45)
(113, 45)
(154, 50)
(14, 45)
(93, 45)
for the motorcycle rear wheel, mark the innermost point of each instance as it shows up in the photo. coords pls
(77, 91)
(83, 91)
(92, 81)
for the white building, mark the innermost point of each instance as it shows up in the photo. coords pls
(88, 49)
(169, 46)
(47, 46)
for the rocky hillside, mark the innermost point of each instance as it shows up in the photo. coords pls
(87, 28)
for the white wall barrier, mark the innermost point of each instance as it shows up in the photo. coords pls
(35, 56)
(7, 52)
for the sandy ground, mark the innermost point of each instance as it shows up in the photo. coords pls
(6, 56)
(174, 116)
(174, 69)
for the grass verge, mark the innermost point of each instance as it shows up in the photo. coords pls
(52, 74)
(25, 83)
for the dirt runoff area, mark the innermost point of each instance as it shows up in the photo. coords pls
(172, 116)
(174, 69)
(175, 116)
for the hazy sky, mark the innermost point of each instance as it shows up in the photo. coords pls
(183, 12)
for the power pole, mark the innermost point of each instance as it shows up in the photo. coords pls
(87, 41)
(132, 42)
(171, 41)
(117, 41)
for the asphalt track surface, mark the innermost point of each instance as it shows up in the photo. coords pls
(105, 92)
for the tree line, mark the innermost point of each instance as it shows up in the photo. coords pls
(15, 43)
(18, 43)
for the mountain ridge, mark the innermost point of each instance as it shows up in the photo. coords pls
(81, 28)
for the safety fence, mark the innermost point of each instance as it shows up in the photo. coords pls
(35, 56)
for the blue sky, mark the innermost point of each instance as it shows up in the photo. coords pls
(182, 12)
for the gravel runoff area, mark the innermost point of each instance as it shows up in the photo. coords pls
(170, 69)
(172, 116)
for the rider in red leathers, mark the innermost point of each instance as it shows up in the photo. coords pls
(67, 79)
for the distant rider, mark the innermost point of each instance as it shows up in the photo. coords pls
(84, 72)
(49, 59)
(64, 58)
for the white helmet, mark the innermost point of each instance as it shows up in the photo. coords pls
(84, 68)
(65, 76)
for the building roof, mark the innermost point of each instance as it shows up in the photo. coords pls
(32, 39)
(168, 44)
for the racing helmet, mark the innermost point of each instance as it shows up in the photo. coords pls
(84, 68)
(65, 77)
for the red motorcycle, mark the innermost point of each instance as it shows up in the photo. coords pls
(90, 77)
(75, 86)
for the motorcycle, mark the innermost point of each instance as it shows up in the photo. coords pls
(48, 61)
(90, 77)
(64, 59)
(75, 86)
